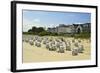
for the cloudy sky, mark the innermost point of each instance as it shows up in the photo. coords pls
(52, 19)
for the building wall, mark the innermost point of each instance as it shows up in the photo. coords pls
(64, 30)
(87, 27)
(83, 27)
(71, 28)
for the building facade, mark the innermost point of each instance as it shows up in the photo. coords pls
(74, 28)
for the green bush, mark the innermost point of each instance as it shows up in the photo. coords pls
(43, 33)
(83, 35)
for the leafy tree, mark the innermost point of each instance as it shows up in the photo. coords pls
(40, 29)
(30, 30)
(34, 29)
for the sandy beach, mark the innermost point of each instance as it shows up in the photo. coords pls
(32, 53)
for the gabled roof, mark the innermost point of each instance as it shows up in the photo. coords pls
(76, 25)
(63, 25)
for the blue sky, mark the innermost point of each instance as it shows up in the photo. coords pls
(52, 19)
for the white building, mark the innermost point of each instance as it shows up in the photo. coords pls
(74, 28)
(65, 29)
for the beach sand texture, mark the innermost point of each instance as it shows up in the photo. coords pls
(32, 53)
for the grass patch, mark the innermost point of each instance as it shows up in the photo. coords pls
(44, 33)
(83, 35)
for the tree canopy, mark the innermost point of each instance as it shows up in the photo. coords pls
(36, 29)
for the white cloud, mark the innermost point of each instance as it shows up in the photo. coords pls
(28, 24)
(36, 20)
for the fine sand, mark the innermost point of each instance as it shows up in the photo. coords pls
(33, 54)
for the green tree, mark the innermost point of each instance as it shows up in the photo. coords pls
(30, 30)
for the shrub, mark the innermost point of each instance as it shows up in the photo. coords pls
(83, 35)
